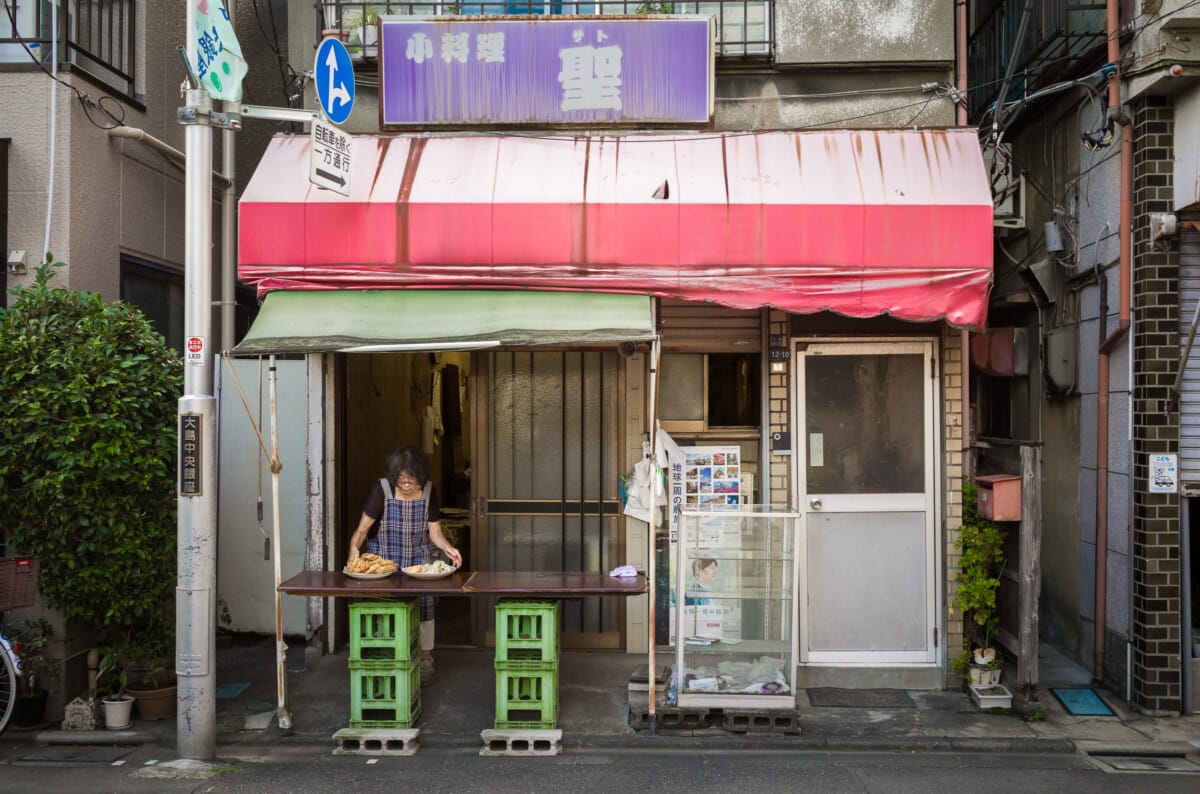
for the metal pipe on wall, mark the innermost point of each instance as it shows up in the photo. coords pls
(960, 118)
(1125, 237)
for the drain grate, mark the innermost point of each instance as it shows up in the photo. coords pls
(1146, 763)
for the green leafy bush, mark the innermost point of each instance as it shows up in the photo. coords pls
(981, 562)
(88, 405)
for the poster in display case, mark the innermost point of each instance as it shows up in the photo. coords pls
(705, 479)
(737, 580)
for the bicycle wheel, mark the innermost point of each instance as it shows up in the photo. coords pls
(8, 688)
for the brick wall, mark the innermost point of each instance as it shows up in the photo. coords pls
(780, 466)
(952, 483)
(1156, 561)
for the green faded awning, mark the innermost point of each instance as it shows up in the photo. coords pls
(400, 320)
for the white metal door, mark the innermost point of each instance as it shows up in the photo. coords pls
(865, 463)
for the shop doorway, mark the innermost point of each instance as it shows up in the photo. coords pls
(865, 469)
(418, 399)
(549, 460)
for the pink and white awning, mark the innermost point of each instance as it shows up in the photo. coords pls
(862, 223)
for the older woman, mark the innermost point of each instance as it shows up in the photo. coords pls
(401, 518)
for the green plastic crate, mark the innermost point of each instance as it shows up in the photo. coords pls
(527, 698)
(526, 631)
(385, 631)
(384, 694)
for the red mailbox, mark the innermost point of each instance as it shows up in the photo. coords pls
(999, 497)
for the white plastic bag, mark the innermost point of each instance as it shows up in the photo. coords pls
(639, 498)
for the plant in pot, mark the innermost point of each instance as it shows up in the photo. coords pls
(112, 680)
(40, 672)
(152, 681)
(368, 32)
(981, 543)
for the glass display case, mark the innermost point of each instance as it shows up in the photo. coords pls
(735, 588)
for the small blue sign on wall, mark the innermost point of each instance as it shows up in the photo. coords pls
(334, 75)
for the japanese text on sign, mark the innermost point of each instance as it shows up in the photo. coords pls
(570, 71)
(190, 482)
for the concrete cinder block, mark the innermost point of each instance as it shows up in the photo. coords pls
(377, 741)
(520, 742)
(761, 722)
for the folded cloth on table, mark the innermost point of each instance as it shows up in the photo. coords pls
(623, 572)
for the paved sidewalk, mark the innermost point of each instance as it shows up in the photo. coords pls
(595, 707)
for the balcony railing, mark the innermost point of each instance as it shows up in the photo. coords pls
(95, 38)
(744, 27)
(1060, 37)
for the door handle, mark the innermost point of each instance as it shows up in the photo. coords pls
(814, 503)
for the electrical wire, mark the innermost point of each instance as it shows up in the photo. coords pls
(85, 101)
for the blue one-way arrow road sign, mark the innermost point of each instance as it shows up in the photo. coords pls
(335, 80)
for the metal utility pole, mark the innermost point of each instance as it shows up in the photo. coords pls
(195, 596)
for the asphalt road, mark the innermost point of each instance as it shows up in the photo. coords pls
(431, 771)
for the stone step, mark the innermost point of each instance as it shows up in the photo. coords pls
(521, 741)
(377, 741)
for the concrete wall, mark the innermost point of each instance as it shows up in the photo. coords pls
(822, 32)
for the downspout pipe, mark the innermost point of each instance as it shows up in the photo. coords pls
(1110, 340)
(960, 118)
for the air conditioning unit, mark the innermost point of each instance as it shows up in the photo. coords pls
(1008, 189)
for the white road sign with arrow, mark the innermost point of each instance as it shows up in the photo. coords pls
(330, 156)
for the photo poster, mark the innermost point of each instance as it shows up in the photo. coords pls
(706, 479)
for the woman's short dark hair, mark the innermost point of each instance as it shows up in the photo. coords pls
(410, 461)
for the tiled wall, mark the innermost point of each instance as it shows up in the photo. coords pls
(1156, 554)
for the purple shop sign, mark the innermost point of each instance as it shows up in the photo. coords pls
(464, 71)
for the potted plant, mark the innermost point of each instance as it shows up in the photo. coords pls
(152, 681)
(368, 32)
(40, 672)
(112, 679)
(981, 543)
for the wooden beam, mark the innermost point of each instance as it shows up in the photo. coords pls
(1030, 569)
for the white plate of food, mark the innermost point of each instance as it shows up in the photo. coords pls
(438, 569)
(355, 575)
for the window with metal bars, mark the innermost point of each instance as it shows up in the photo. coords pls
(96, 38)
(744, 27)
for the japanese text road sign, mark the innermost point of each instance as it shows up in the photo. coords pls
(329, 158)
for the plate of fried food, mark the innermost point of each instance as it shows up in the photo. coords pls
(438, 569)
(370, 566)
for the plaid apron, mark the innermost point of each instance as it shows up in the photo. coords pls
(404, 534)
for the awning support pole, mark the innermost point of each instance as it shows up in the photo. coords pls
(652, 573)
(281, 711)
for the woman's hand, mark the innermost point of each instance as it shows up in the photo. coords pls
(453, 555)
(353, 556)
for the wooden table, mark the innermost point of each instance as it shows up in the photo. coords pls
(554, 584)
(530, 584)
(335, 584)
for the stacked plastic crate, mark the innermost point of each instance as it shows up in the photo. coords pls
(526, 664)
(385, 669)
